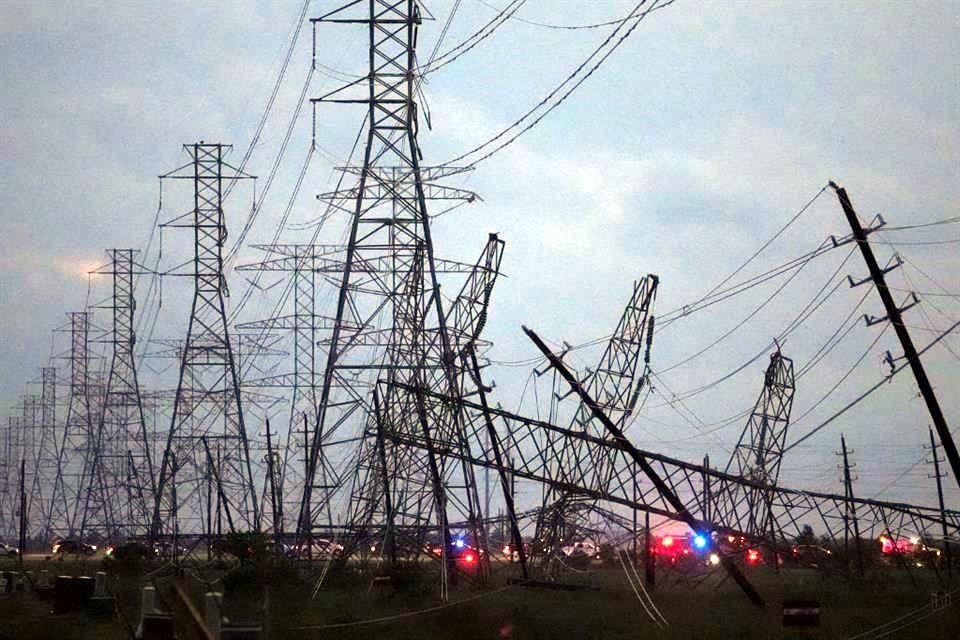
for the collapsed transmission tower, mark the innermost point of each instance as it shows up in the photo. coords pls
(759, 451)
(119, 490)
(616, 383)
(387, 498)
(207, 432)
(390, 322)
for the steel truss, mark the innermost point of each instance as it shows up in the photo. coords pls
(391, 491)
(285, 476)
(120, 489)
(78, 446)
(790, 508)
(616, 382)
(205, 474)
(759, 451)
(9, 476)
(535, 446)
(390, 320)
(48, 506)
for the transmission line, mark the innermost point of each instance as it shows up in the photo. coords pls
(559, 27)
(870, 390)
(635, 15)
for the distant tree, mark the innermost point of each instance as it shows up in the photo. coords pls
(806, 535)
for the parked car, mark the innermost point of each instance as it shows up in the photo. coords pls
(74, 546)
(165, 549)
(130, 550)
(581, 548)
(321, 548)
(8, 550)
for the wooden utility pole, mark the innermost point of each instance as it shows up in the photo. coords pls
(23, 513)
(649, 559)
(895, 317)
(851, 510)
(943, 515)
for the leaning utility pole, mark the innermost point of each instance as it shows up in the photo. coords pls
(947, 556)
(895, 317)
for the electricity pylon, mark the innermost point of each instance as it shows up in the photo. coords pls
(389, 486)
(285, 478)
(207, 432)
(120, 488)
(49, 505)
(616, 383)
(759, 451)
(389, 289)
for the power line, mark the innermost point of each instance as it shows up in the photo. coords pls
(935, 223)
(635, 15)
(815, 303)
(575, 27)
(438, 62)
(870, 390)
(916, 243)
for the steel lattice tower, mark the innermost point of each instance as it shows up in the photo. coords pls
(615, 383)
(10, 452)
(389, 288)
(29, 438)
(759, 451)
(120, 489)
(48, 506)
(207, 431)
(387, 501)
(78, 442)
(286, 477)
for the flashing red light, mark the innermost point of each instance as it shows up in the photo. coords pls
(668, 541)
(468, 558)
(886, 545)
(753, 556)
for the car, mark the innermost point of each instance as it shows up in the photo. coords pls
(74, 546)
(130, 550)
(513, 554)
(165, 549)
(8, 550)
(581, 548)
(320, 548)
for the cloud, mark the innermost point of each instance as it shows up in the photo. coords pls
(697, 140)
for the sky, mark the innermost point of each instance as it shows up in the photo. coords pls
(704, 133)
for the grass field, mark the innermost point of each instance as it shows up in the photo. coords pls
(603, 607)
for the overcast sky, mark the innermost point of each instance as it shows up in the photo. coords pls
(702, 135)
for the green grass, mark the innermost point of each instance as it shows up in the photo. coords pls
(604, 608)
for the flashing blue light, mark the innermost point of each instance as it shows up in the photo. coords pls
(459, 543)
(700, 541)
